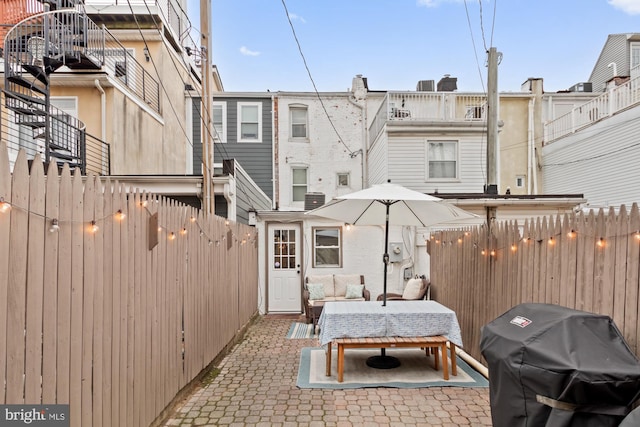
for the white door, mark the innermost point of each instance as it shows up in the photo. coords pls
(285, 286)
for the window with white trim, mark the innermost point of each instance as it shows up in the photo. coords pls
(299, 184)
(327, 246)
(249, 122)
(220, 121)
(442, 160)
(520, 181)
(298, 115)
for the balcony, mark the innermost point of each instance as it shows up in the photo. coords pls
(428, 107)
(615, 100)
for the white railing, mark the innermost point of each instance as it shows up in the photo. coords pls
(429, 106)
(609, 103)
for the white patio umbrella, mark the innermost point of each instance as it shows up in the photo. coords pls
(390, 204)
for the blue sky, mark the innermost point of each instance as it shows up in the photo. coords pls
(396, 43)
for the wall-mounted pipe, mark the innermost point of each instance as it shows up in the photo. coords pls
(103, 110)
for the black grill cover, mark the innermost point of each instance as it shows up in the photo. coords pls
(554, 366)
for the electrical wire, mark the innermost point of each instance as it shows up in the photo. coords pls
(240, 184)
(304, 60)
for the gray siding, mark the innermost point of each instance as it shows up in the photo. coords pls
(197, 137)
(255, 158)
(616, 49)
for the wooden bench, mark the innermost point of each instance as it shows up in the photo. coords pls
(434, 343)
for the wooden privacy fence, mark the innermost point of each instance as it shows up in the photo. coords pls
(588, 262)
(93, 313)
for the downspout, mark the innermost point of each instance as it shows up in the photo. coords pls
(530, 156)
(103, 110)
(275, 203)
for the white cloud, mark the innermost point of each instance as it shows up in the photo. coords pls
(245, 51)
(632, 7)
(294, 17)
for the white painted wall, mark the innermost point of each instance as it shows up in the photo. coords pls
(600, 161)
(324, 153)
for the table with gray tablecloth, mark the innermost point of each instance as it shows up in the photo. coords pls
(358, 319)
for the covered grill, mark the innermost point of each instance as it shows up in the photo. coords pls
(554, 366)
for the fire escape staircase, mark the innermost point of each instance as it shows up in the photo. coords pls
(61, 35)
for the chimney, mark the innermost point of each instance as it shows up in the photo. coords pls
(447, 83)
(359, 86)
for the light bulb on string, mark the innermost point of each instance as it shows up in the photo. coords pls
(54, 225)
(93, 227)
(4, 206)
(120, 215)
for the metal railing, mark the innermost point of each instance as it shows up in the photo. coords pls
(122, 65)
(429, 106)
(22, 127)
(617, 99)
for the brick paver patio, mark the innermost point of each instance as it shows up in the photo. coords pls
(256, 386)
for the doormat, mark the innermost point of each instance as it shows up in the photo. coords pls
(301, 330)
(415, 371)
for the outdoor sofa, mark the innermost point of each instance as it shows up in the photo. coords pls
(319, 289)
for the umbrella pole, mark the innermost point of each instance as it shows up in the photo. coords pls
(383, 361)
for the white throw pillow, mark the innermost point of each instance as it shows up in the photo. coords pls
(412, 290)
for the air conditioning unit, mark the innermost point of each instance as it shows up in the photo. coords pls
(447, 84)
(426, 86)
(313, 200)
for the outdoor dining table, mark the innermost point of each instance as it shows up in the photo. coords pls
(369, 319)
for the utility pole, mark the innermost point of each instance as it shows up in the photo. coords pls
(208, 205)
(492, 123)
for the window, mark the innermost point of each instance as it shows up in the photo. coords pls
(326, 247)
(343, 180)
(520, 180)
(299, 187)
(249, 122)
(635, 54)
(442, 159)
(220, 121)
(298, 122)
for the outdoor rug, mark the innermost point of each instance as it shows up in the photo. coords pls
(301, 330)
(415, 371)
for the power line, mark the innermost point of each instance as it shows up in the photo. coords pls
(208, 171)
(293, 30)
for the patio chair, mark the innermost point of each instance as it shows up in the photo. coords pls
(36, 47)
(418, 288)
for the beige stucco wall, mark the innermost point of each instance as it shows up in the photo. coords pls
(514, 134)
(142, 141)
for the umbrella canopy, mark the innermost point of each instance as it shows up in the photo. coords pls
(390, 204)
(406, 207)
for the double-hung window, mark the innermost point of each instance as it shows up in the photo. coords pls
(327, 243)
(249, 122)
(442, 160)
(298, 117)
(299, 184)
(220, 121)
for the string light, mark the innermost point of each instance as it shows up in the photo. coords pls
(551, 241)
(571, 234)
(120, 215)
(93, 227)
(4, 206)
(601, 243)
(172, 235)
(144, 203)
(459, 239)
(183, 231)
(54, 225)
(637, 234)
(193, 218)
(514, 248)
(348, 227)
